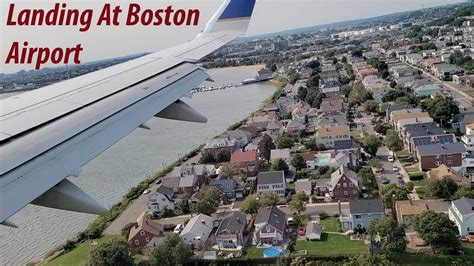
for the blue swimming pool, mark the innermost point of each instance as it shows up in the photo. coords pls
(271, 252)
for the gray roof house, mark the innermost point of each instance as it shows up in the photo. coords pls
(271, 182)
(361, 213)
(433, 155)
(229, 188)
(164, 197)
(197, 231)
(313, 231)
(270, 225)
(229, 234)
(305, 186)
(461, 213)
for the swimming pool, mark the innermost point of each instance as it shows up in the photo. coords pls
(271, 252)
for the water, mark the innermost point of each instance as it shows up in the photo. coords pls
(125, 164)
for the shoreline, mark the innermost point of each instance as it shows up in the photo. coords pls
(104, 221)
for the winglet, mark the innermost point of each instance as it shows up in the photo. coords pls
(232, 16)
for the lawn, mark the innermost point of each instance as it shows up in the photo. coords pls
(402, 154)
(424, 259)
(412, 169)
(330, 224)
(79, 255)
(332, 244)
(253, 252)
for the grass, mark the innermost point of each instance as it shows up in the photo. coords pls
(332, 244)
(424, 259)
(402, 154)
(79, 255)
(330, 224)
(412, 169)
(290, 186)
(252, 252)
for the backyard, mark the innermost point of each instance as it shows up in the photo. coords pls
(253, 252)
(330, 224)
(332, 244)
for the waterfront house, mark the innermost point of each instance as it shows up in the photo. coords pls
(197, 231)
(230, 233)
(271, 182)
(270, 226)
(461, 213)
(164, 197)
(295, 128)
(275, 128)
(229, 188)
(220, 148)
(241, 137)
(143, 232)
(361, 213)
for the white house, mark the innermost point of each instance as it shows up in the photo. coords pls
(197, 231)
(461, 213)
(271, 182)
(163, 197)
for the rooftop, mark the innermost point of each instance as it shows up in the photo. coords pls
(273, 216)
(440, 149)
(243, 156)
(331, 131)
(264, 178)
(366, 206)
(464, 205)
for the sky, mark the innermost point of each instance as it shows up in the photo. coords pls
(107, 42)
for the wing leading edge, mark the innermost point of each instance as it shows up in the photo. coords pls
(78, 119)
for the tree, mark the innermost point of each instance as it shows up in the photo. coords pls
(393, 192)
(250, 205)
(410, 186)
(313, 81)
(184, 206)
(265, 146)
(464, 192)
(393, 141)
(392, 95)
(311, 144)
(302, 92)
(359, 94)
(173, 251)
(279, 165)
(390, 233)
(206, 158)
(112, 252)
(444, 188)
(441, 109)
(313, 64)
(285, 141)
(209, 200)
(269, 199)
(314, 97)
(273, 68)
(229, 170)
(371, 106)
(371, 144)
(438, 231)
(375, 163)
(298, 162)
(298, 201)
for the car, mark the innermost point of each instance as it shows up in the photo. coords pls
(290, 221)
(302, 231)
(385, 180)
(395, 169)
(401, 183)
(146, 191)
(390, 158)
(178, 229)
(399, 176)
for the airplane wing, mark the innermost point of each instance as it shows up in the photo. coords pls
(47, 135)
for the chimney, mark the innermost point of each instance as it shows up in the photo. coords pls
(203, 222)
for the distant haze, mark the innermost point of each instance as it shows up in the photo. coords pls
(106, 42)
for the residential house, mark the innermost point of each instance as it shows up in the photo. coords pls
(313, 231)
(333, 104)
(220, 148)
(427, 90)
(409, 121)
(444, 171)
(275, 128)
(407, 210)
(229, 188)
(309, 159)
(299, 114)
(305, 186)
(396, 107)
(270, 226)
(164, 197)
(197, 231)
(461, 213)
(295, 128)
(361, 213)
(345, 184)
(143, 232)
(329, 137)
(247, 161)
(433, 155)
(271, 182)
(406, 114)
(461, 120)
(230, 233)
(241, 137)
(445, 71)
(332, 158)
(468, 138)
(181, 185)
(415, 135)
(286, 105)
(283, 154)
(405, 74)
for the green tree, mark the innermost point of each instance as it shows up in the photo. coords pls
(265, 146)
(314, 97)
(444, 188)
(375, 163)
(279, 165)
(368, 260)
(285, 141)
(438, 231)
(393, 141)
(298, 201)
(464, 192)
(209, 200)
(441, 109)
(184, 205)
(371, 106)
(371, 144)
(173, 251)
(313, 81)
(359, 94)
(302, 92)
(298, 162)
(311, 144)
(229, 169)
(250, 205)
(112, 252)
(390, 233)
(393, 192)
(269, 199)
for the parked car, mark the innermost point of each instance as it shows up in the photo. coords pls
(395, 169)
(385, 180)
(178, 229)
(146, 191)
(399, 176)
(390, 158)
(401, 183)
